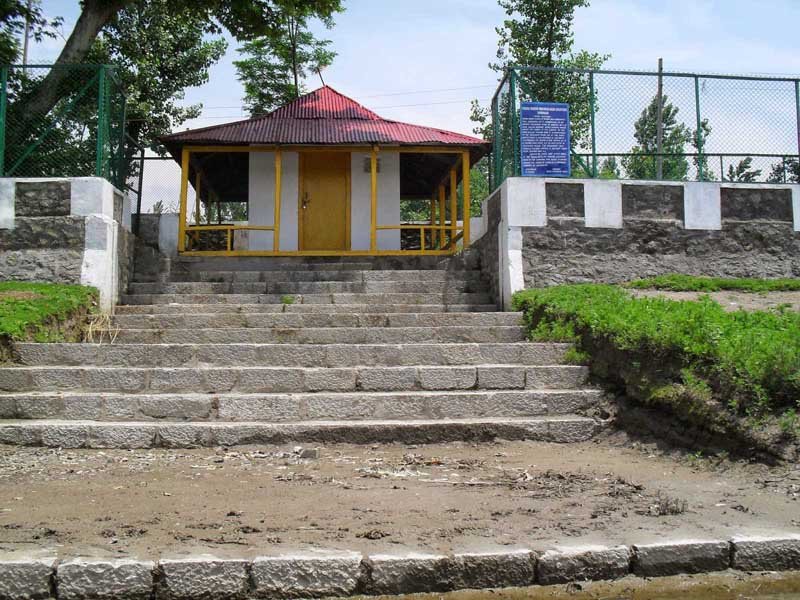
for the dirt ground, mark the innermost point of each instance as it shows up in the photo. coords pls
(735, 300)
(437, 498)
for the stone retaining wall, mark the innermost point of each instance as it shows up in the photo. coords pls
(320, 575)
(73, 231)
(556, 231)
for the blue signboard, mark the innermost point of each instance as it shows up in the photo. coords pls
(544, 139)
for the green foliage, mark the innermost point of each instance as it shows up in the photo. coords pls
(29, 310)
(13, 14)
(609, 169)
(159, 51)
(785, 171)
(273, 67)
(691, 283)
(749, 358)
(287, 300)
(642, 164)
(743, 172)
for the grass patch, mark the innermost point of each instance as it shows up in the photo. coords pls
(42, 312)
(691, 283)
(719, 370)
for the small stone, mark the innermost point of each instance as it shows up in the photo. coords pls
(309, 453)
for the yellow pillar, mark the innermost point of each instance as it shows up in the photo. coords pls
(441, 216)
(465, 194)
(373, 169)
(184, 194)
(453, 207)
(276, 232)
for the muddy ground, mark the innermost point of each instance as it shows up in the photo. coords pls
(735, 300)
(437, 498)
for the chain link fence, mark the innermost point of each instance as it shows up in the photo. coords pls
(62, 121)
(712, 127)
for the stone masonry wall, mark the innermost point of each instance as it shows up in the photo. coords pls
(488, 245)
(74, 231)
(756, 237)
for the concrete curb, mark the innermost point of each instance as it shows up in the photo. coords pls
(318, 575)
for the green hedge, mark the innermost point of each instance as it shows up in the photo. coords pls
(691, 283)
(749, 361)
(36, 310)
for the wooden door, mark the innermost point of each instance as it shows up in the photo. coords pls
(324, 201)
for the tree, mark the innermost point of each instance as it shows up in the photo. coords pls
(641, 163)
(742, 172)
(273, 66)
(609, 169)
(158, 54)
(785, 171)
(538, 33)
(13, 15)
(243, 19)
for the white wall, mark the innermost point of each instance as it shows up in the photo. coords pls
(261, 193)
(388, 201)
(261, 196)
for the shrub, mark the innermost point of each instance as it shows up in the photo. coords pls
(691, 283)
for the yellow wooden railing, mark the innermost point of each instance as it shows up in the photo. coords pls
(449, 234)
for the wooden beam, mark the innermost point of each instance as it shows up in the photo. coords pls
(453, 207)
(466, 196)
(441, 216)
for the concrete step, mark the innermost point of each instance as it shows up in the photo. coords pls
(310, 287)
(288, 379)
(95, 434)
(319, 335)
(291, 355)
(325, 275)
(280, 408)
(336, 298)
(185, 309)
(294, 319)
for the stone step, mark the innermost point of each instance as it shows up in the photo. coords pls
(325, 275)
(291, 355)
(288, 379)
(375, 299)
(280, 288)
(185, 309)
(468, 260)
(261, 320)
(95, 434)
(279, 408)
(319, 335)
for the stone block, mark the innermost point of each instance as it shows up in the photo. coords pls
(582, 564)
(306, 576)
(676, 558)
(26, 579)
(493, 570)
(331, 380)
(652, 202)
(766, 553)
(387, 379)
(105, 579)
(408, 574)
(203, 578)
(447, 378)
(501, 378)
(42, 198)
(564, 200)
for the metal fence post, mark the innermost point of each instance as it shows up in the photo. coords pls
(514, 123)
(101, 120)
(591, 111)
(497, 142)
(3, 103)
(797, 111)
(699, 132)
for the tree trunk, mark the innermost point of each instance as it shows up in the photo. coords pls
(94, 16)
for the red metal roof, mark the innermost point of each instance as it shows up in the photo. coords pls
(323, 116)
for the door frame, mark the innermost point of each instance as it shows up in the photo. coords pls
(301, 189)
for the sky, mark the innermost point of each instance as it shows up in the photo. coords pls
(422, 61)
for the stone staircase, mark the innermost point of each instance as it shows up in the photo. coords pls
(229, 351)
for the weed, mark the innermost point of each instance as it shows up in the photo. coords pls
(666, 505)
(287, 300)
(573, 356)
